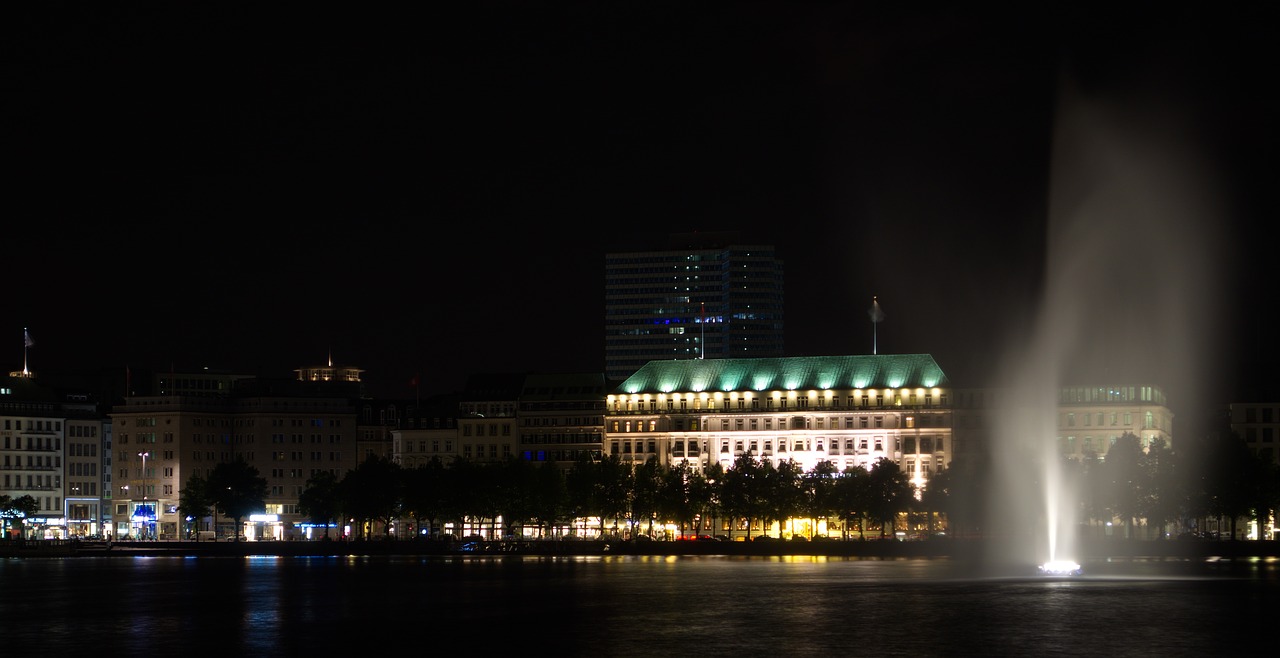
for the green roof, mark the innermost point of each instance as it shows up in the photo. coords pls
(785, 374)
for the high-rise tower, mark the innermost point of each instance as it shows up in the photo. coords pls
(705, 296)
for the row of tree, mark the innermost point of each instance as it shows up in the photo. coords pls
(1155, 485)
(14, 512)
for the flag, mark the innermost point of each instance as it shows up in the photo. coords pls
(414, 381)
(26, 338)
(876, 314)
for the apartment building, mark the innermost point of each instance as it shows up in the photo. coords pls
(33, 443)
(287, 430)
(561, 417)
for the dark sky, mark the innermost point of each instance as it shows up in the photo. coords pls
(433, 191)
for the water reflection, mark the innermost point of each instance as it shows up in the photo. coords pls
(624, 606)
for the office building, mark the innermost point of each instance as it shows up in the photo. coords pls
(705, 296)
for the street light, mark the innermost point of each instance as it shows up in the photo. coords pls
(143, 455)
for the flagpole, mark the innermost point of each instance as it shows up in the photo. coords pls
(26, 343)
(703, 352)
(877, 315)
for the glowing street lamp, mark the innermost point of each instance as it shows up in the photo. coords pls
(144, 454)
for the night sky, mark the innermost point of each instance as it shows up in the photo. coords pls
(434, 191)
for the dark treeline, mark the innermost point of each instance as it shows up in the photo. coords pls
(1158, 487)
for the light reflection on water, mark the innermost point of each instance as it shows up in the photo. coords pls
(628, 606)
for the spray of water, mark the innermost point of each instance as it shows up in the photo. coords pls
(1129, 267)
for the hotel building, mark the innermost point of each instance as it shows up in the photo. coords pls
(849, 410)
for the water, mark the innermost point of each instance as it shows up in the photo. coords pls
(626, 606)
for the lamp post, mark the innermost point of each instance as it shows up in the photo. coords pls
(71, 510)
(127, 497)
(143, 455)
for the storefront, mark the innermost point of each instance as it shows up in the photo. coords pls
(82, 517)
(142, 521)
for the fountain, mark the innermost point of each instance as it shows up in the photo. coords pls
(1128, 287)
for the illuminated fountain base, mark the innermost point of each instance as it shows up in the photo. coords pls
(1060, 568)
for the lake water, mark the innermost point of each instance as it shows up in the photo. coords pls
(628, 606)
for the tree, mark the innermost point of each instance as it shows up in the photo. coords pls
(515, 487)
(820, 491)
(960, 493)
(371, 492)
(238, 490)
(1167, 495)
(891, 493)
(194, 501)
(743, 484)
(853, 495)
(782, 494)
(1240, 486)
(646, 488)
(581, 484)
(714, 474)
(319, 501)
(1124, 481)
(549, 503)
(614, 487)
(678, 495)
(424, 493)
(15, 511)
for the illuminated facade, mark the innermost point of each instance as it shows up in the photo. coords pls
(704, 297)
(848, 410)
(33, 435)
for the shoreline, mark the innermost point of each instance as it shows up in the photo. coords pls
(880, 548)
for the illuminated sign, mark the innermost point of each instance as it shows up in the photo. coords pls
(264, 518)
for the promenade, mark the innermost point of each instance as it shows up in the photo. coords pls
(877, 548)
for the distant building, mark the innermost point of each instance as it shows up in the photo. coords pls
(704, 296)
(287, 429)
(538, 417)
(487, 417)
(1258, 424)
(33, 440)
(561, 418)
(1088, 418)
(1091, 418)
(162, 441)
(430, 433)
